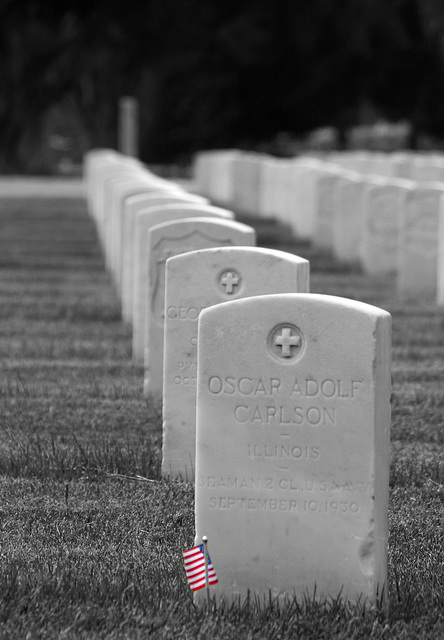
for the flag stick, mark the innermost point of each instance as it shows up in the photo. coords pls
(207, 582)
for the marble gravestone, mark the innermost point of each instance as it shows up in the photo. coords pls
(113, 175)
(93, 161)
(107, 171)
(246, 182)
(267, 196)
(440, 256)
(132, 206)
(324, 208)
(292, 446)
(221, 177)
(347, 216)
(418, 241)
(426, 168)
(194, 281)
(122, 192)
(163, 242)
(119, 191)
(145, 220)
(402, 163)
(283, 177)
(302, 189)
(380, 225)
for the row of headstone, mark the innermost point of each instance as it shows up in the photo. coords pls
(379, 210)
(142, 220)
(276, 402)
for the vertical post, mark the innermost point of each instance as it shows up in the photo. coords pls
(207, 582)
(128, 127)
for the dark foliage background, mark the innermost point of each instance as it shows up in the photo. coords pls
(210, 73)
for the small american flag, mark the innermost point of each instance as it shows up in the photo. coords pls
(194, 560)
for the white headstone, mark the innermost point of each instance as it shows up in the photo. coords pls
(221, 179)
(194, 281)
(246, 182)
(114, 187)
(202, 172)
(302, 193)
(292, 446)
(402, 164)
(167, 240)
(347, 216)
(145, 220)
(119, 191)
(418, 241)
(324, 207)
(267, 193)
(440, 256)
(107, 177)
(426, 168)
(93, 160)
(380, 164)
(108, 164)
(283, 177)
(380, 225)
(132, 206)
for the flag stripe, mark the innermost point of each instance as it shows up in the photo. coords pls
(200, 586)
(200, 570)
(194, 561)
(192, 552)
(198, 567)
(199, 575)
(196, 579)
(195, 572)
(199, 583)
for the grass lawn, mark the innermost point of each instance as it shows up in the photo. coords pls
(90, 535)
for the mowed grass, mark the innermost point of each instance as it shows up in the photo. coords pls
(91, 537)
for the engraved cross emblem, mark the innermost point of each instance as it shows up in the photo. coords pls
(286, 341)
(229, 281)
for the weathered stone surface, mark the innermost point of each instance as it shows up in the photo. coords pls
(132, 206)
(194, 281)
(301, 202)
(145, 220)
(418, 241)
(292, 446)
(324, 206)
(380, 225)
(167, 240)
(347, 216)
(119, 191)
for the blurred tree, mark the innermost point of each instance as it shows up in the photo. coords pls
(432, 14)
(61, 56)
(430, 112)
(209, 73)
